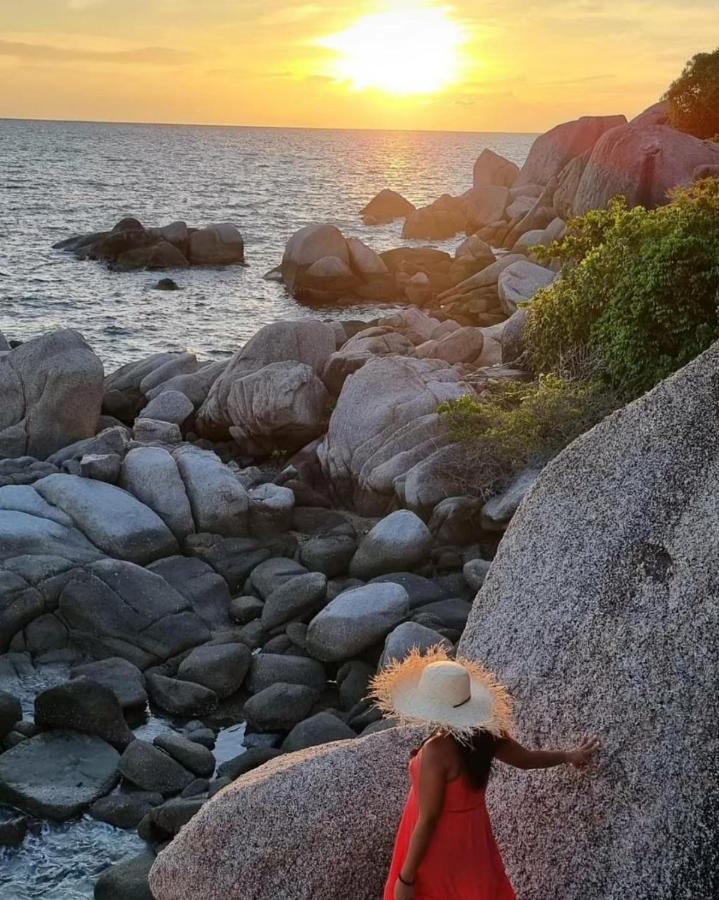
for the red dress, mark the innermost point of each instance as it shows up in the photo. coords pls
(463, 861)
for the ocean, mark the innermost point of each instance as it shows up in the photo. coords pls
(62, 178)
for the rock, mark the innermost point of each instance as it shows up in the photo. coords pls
(642, 163)
(491, 168)
(126, 880)
(86, 706)
(270, 510)
(151, 475)
(552, 150)
(160, 255)
(154, 431)
(297, 598)
(329, 553)
(383, 424)
(216, 245)
(306, 246)
(359, 349)
(306, 341)
(221, 668)
(456, 520)
(355, 620)
(126, 808)
(56, 774)
(475, 571)
(52, 392)
(325, 857)
(438, 221)
(279, 707)
(353, 680)
(364, 262)
(485, 204)
(172, 815)
(606, 572)
(269, 668)
(124, 679)
(245, 609)
(10, 712)
(169, 406)
(656, 114)
(114, 608)
(386, 206)
(421, 590)
(13, 827)
(498, 511)
(400, 541)
(151, 769)
(218, 501)
(513, 346)
(269, 575)
(321, 728)
(519, 283)
(166, 284)
(111, 518)
(402, 639)
(192, 756)
(180, 698)
(461, 345)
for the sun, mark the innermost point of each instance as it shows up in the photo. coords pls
(412, 50)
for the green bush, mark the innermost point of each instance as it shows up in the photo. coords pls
(512, 425)
(638, 292)
(694, 97)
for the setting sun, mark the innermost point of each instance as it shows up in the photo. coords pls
(413, 50)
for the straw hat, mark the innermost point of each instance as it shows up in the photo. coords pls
(457, 696)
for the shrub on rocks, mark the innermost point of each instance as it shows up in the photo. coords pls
(693, 99)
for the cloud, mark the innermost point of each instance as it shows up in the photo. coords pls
(46, 53)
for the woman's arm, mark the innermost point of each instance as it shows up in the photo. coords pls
(432, 782)
(514, 754)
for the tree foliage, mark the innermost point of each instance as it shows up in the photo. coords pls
(694, 97)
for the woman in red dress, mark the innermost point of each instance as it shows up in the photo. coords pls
(445, 849)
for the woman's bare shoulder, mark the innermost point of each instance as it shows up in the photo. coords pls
(439, 750)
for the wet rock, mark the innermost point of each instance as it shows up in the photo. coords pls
(246, 762)
(86, 706)
(355, 620)
(180, 698)
(221, 668)
(216, 245)
(386, 206)
(125, 809)
(13, 827)
(190, 755)
(57, 773)
(126, 880)
(10, 712)
(170, 817)
(151, 769)
(321, 728)
(166, 284)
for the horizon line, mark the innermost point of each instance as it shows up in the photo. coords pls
(228, 125)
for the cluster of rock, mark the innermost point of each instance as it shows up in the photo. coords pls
(130, 245)
(599, 613)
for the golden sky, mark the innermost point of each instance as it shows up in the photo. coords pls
(511, 65)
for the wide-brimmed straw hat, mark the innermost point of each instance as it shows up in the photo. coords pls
(456, 695)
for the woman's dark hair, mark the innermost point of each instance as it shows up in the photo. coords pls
(476, 756)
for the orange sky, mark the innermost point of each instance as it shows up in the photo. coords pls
(521, 65)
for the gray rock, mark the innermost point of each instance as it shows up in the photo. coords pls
(219, 502)
(111, 518)
(269, 668)
(126, 880)
(353, 679)
(124, 809)
(57, 773)
(13, 825)
(519, 283)
(232, 558)
(279, 707)
(421, 590)
(192, 756)
(154, 431)
(451, 613)
(321, 728)
(608, 574)
(298, 597)
(168, 406)
(475, 571)
(355, 620)
(216, 245)
(151, 475)
(10, 712)
(151, 769)
(170, 817)
(205, 590)
(245, 609)
(246, 762)
(329, 553)
(221, 668)
(52, 391)
(330, 852)
(513, 346)
(406, 636)
(400, 541)
(498, 511)
(180, 698)
(101, 466)
(83, 705)
(456, 520)
(273, 573)
(270, 510)
(307, 246)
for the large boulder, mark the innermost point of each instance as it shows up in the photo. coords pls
(552, 150)
(218, 500)
(355, 620)
(397, 543)
(339, 847)
(306, 246)
(384, 424)
(126, 880)
(386, 206)
(56, 774)
(306, 341)
(219, 667)
(642, 163)
(123, 678)
(83, 705)
(608, 575)
(519, 283)
(151, 475)
(51, 391)
(491, 168)
(216, 245)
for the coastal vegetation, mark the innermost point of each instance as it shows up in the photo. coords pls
(694, 97)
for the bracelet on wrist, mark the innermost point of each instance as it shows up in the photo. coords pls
(405, 882)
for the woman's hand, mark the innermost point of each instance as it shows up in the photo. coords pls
(581, 754)
(403, 891)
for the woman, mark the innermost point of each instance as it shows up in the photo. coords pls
(445, 849)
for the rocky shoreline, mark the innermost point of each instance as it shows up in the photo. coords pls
(250, 540)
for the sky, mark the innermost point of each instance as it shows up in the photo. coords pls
(469, 65)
